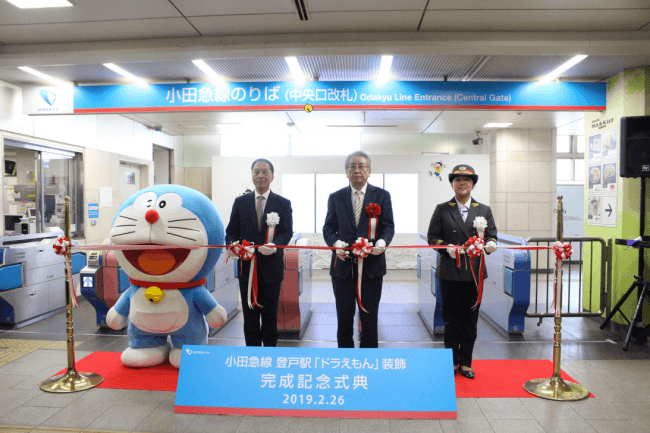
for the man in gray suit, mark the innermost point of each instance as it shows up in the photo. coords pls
(452, 223)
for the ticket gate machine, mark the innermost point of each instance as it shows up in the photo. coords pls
(429, 296)
(506, 290)
(294, 309)
(32, 277)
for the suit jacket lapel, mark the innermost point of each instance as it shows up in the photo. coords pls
(347, 205)
(252, 212)
(455, 215)
(472, 213)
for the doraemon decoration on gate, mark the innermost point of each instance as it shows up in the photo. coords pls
(437, 168)
(167, 296)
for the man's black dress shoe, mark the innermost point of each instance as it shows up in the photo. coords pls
(467, 373)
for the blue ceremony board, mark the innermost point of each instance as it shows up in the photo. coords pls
(317, 382)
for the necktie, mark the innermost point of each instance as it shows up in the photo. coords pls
(358, 204)
(260, 211)
(463, 213)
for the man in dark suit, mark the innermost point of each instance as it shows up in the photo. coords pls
(346, 221)
(452, 223)
(248, 222)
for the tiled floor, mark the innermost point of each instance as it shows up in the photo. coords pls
(620, 380)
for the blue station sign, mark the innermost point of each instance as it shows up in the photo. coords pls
(316, 382)
(341, 95)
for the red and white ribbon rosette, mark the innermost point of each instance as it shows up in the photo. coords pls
(373, 210)
(61, 247)
(562, 252)
(272, 220)
(361, 248)
(246, 251)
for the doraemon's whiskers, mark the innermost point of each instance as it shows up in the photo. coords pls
(126, 225)
(185, 219)
(122, 234)
(132, 219)
(182, 228)
(189, 239)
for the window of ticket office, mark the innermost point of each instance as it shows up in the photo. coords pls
(36, 181)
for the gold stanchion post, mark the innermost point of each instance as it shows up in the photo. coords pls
(556, 388)
(71, 380)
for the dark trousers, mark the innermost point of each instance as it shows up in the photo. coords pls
(345, 293)
(458, 297)
(268, 296)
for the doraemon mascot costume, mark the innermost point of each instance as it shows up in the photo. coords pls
(167, 296)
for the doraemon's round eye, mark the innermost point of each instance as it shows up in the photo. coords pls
(168, 204)
(143, 203)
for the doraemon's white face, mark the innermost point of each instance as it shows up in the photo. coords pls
(160, 220)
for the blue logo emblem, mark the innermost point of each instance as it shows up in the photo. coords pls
(48, 97)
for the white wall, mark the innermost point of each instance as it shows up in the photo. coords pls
(232, 175)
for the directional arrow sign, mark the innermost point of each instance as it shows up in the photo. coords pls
(609, 210)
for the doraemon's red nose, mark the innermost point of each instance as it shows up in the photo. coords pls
(151, 216)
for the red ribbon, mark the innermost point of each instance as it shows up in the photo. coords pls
(244, 253)
(361, 248)
(373, 210)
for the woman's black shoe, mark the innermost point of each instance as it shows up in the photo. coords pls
(469, 373)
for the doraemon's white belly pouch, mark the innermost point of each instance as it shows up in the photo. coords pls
(168, 315)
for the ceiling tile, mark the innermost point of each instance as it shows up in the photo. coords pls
(96, 31)
(431, 68)
(518, 68)
(535, 20)
(320, 22)
(252, 69)
(196, 8)
(536, 4)
(366, 5)
(341, 68)
(89, 10)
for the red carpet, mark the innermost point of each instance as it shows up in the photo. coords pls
(494, 378)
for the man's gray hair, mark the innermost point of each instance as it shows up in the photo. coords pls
(357, 153)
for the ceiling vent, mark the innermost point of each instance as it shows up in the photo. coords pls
(302, 10)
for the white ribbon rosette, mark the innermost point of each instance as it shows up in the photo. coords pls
(480, 224)
(272, 220)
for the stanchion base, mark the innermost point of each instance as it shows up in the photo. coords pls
(556, 388)
(71, 381)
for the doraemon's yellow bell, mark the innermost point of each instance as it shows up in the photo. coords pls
(154, 294)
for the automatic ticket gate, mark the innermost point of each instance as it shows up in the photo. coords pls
(32, 277)
(506, 290)
(223, 284)
(429, 297)
(294, 309)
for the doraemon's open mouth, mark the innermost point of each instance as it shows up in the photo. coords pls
(157, 262)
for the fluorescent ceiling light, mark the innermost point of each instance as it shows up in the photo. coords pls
(207, 70)
(362, 126)
(296, 70)
(496, 125)
(44, 76)
(33, 4)
(574, 61)
(122, 72)
(229, 127)
(384, 69)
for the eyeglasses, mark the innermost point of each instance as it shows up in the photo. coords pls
(353, 167)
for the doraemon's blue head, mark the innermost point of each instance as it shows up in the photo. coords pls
(168, 215)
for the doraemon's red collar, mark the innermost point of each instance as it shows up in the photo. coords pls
(169, 286)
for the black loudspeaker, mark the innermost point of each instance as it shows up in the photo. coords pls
(635, 146)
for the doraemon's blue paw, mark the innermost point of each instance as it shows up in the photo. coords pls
(145, 357)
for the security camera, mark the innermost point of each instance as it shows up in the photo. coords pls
(478, 140)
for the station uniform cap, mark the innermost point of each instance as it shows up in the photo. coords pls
(463, 170)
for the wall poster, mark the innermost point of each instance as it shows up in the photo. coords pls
(602, 176)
